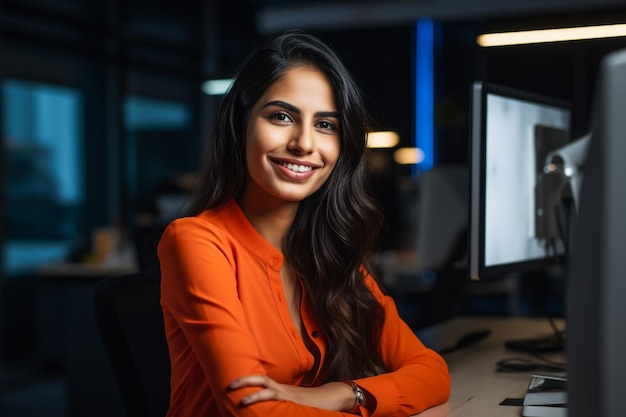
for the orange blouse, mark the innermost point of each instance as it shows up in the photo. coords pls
(226, 316)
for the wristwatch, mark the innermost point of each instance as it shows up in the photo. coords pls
(359, 396)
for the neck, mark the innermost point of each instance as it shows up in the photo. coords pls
(271, 219)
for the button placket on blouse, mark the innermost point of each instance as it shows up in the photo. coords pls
(274, 266)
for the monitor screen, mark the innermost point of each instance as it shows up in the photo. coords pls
(512, 132)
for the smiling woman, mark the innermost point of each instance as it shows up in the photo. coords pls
(269, 306)
(292, 140)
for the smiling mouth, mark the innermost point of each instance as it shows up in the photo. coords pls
(296, 167)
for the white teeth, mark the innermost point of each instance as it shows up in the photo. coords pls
(296, 168)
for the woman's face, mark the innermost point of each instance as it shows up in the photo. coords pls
(292, 138)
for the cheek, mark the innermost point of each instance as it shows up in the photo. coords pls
(260, 138)
(254, 165)
(330, 150)
(254, 144)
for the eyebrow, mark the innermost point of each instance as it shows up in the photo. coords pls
(296, 110)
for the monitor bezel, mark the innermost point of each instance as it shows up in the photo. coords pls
(477, 269)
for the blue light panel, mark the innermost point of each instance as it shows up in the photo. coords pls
(424, 82)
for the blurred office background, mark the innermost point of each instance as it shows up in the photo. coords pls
(103, 118)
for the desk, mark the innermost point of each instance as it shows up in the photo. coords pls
(85, 270)
(477, 389)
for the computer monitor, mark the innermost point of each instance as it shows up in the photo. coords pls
(596, 279)
(512, 132)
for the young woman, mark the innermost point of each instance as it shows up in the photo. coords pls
(269, 307)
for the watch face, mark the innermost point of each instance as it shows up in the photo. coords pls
(358, 392)
(359, 395)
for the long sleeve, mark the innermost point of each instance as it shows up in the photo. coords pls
(419, 377)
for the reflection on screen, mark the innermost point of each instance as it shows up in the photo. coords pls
(510, 178)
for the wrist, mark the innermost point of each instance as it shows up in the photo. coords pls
(358, 397)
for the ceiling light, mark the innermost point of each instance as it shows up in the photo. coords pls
(216, 87)
(551, 35)
(408, 156)
(386, 139)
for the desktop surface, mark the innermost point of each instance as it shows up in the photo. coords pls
(477, 389)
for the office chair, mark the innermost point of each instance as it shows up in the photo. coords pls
(130, 322)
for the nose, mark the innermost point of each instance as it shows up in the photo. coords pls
(302, 141)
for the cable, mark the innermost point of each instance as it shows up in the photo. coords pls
(519, 364)
(557, 332)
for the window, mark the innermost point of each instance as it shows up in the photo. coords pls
(44, 191)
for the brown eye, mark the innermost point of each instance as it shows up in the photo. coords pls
(326, 125)
(281, 117)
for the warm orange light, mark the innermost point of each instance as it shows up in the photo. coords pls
(408, 156)
(386, 139)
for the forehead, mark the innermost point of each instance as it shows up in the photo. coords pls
(303, 84)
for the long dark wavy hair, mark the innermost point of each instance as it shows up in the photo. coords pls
(335, 229)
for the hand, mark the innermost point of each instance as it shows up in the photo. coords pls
(334, 396)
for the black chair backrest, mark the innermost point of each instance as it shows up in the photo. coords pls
(130, 322)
